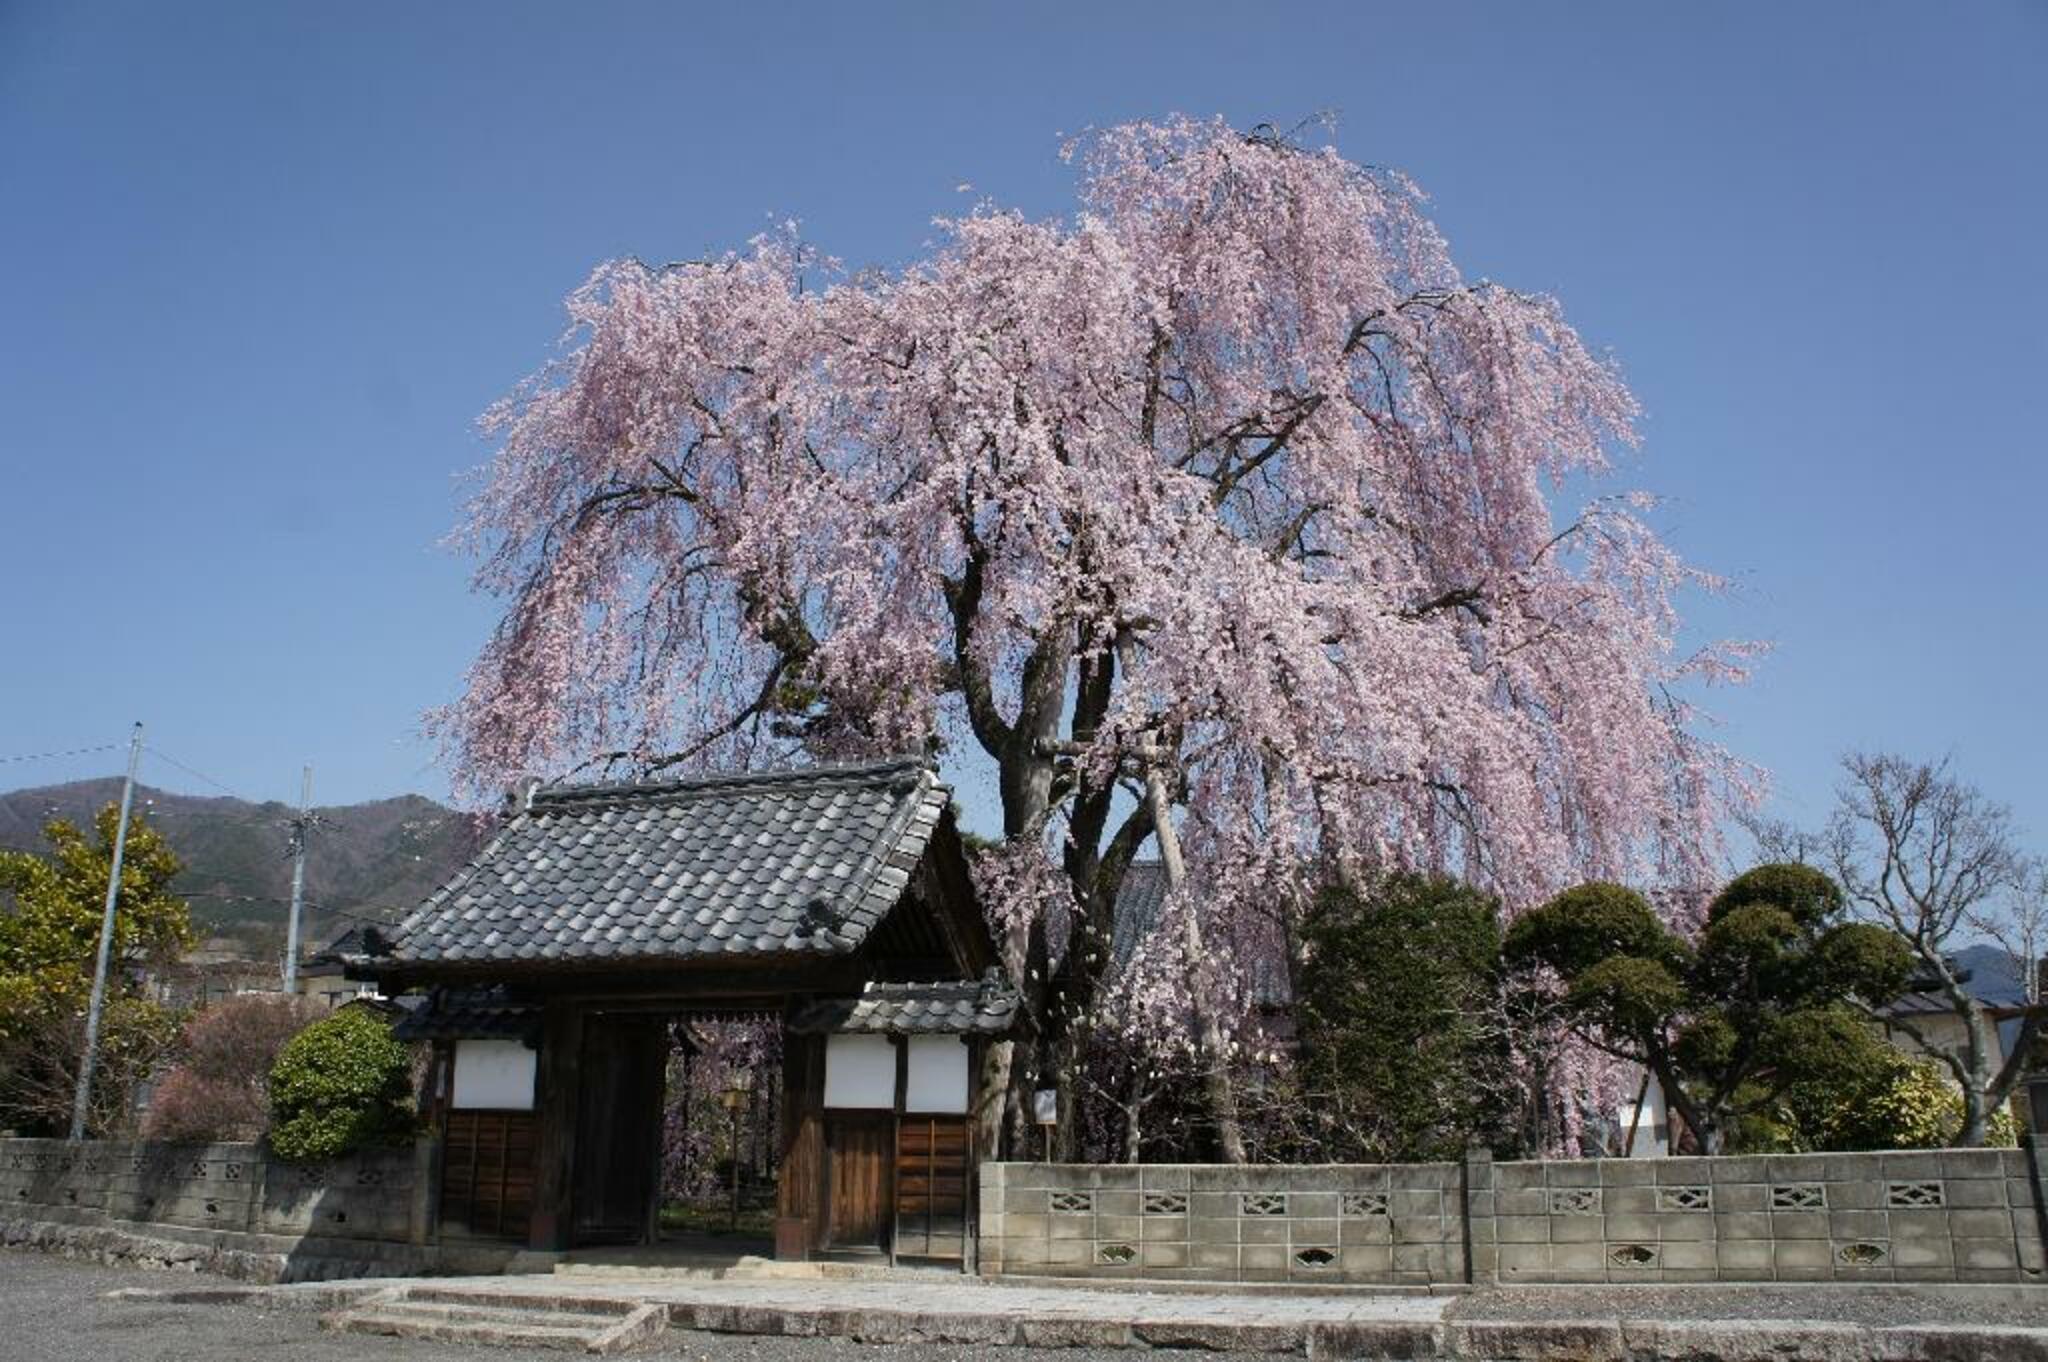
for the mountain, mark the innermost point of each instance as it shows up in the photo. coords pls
(364, 862)
(1993, 975)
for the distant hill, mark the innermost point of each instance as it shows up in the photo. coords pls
(366, 861)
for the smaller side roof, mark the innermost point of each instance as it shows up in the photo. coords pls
(470, 1014)
(987, 1007)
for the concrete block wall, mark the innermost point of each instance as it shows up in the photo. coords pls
(1941, 1216)
(1354, 1224)
(230, 1187)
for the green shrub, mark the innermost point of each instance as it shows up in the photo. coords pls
(1910, 1103)
(340, 1085)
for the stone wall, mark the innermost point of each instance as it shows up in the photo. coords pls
(232, 1209)
(1942, 1216)
(236, 1187)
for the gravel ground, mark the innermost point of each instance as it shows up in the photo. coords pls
(1872, 1305)
(53, 1310)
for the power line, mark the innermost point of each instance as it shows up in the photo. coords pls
(201, 775)
(71, 752)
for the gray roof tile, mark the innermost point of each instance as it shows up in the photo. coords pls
(987, 1006)
(803, 861)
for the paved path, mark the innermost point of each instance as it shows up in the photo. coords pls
(52, 1310)
(58, 1310)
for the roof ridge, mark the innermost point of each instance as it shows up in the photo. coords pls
(824, 772)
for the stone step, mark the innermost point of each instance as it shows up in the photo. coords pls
(591, 1326)
(602, 1306)
(398, 1322)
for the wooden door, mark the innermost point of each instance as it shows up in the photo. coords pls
(617, 1151)
(931, 1186)
(487, 1174)
(857, 1164)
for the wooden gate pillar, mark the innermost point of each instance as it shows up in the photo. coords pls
(555, 1100)
(800, 1172)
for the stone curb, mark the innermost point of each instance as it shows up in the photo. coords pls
(1401, 1340)
(1480, 1340)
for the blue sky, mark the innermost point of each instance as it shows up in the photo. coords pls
(261, 267)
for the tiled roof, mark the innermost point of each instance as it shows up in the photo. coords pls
(473, 1014)
(984, 1007)
(1139, 902)
(803, 861)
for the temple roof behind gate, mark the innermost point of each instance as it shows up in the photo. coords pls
(800, 862)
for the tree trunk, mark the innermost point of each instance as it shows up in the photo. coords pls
(1216, 1084)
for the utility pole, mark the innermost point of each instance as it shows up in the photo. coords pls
(300, 826)
(83, 1098)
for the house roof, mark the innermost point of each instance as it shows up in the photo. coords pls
(987, 1006)
(1141, 899)
(801, 862)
